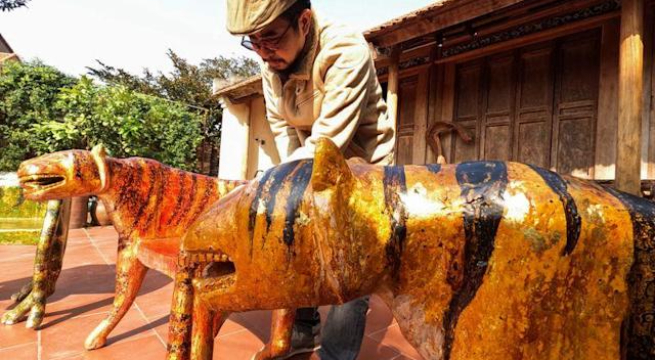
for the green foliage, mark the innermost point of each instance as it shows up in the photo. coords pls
(126, 122)
(164, 116)
(27, 94)
(187, 83)
(8, 5)
(42, 110)
(113, 76)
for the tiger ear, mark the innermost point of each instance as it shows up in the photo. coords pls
(99, 151)
(330, 168)
(99, 154)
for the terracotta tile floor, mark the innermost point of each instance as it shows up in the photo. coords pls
(84, 295)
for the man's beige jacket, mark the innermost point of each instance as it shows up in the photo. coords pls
(332, 91)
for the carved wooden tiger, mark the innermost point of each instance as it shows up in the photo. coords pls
(150, 204)
(479, 260)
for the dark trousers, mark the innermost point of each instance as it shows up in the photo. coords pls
(343, 332)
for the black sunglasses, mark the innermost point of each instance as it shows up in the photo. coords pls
(271, 44)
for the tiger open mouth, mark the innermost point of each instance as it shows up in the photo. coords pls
(32, 183)
(216, 269)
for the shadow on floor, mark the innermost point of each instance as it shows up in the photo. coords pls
(81, 280)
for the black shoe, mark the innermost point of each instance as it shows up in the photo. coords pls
(304, 342)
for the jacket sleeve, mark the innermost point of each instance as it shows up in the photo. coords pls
(345, 72)
(286, 138)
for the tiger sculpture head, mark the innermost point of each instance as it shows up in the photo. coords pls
(64, 174)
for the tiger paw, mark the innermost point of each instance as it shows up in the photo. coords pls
(96, 339)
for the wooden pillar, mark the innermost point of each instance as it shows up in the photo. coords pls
(631, 64)
(392, 86)
(435, 97)
(235, 140)
(421, 117)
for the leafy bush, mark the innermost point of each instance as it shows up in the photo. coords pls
(190, 84)
(42, 111)
(127, 123)
(27, 94)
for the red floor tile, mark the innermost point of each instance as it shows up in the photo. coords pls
(403, 357)
(393, 338)
(155, 296)
(379, 316)
(100, 231)
(27, 351)
(107, 250)
(238, 346)
(15, 271)
(14, 253)
(234, 325)
(16, 335)
(160, 327)
(258, 322)
(373, 350)
(74, 306)
(144, 348)
(66, 338)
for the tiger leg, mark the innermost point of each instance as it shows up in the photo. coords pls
(202, 333)
(129, 277)
(281, 329)
(21, 294)
(180, 322)
(47, 266)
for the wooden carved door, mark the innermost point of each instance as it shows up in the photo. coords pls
(576, 105)
(405, 124)
(536, 105)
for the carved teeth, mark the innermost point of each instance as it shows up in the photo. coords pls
(202, 257)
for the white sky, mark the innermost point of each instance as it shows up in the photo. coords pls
(134, 34)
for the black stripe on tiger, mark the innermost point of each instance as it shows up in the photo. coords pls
(95, 171)
(144, 199)
(394, 186)
(573, 219)
(201, 205)
(433, 168)
(178, 203)
(161, 182)
(252, 213)
(299, 182)
(184, 208)
(276, 182)
(77, 165)
(127, 174)
(192, 195)
(482, 185)
(639, 339)
(127, 197)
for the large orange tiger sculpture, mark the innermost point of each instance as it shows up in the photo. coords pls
(478, 261)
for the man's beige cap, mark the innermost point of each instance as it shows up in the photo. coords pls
(250, 16)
